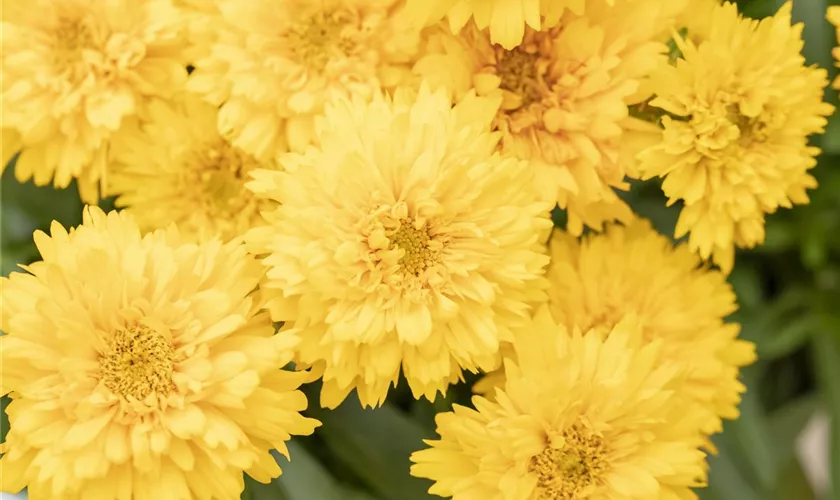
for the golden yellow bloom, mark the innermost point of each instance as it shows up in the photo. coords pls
(273, 64)
(177, 168)
(565, 95)
(633, 269)
(740, 107)
(578, 417)
(504, 19)
(403, 240)
(200, 18)
(140, 367)
(74, 72)
(696, 19)
(834, 18)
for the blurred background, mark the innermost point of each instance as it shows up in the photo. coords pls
(786, 444)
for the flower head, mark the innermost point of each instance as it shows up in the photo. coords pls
(597, 281)
(740, 107)
(505, 21)
(401, 241)
(141, 367)
(834, 18)
(634, 270)
(74, 72)
(696, 19)
(272, 64)
(578, 417)
(565, 92)
(177, 168)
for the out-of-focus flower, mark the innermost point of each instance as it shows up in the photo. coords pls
(271, 65)
(74, 72)
(177, 168)
(505, 20)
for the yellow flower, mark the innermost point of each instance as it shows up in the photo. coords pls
(177, 168)
(834, 18)
(402, 241)
(578, 417)
(141, 368)
(506, 19)
(273, 64)
(200, 18)
(74, 72)
(740, 107)
(566, 92)
(696, 19)
(599, 280)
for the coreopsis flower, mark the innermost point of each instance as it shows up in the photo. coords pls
(634, 270)
(401, 241)
(696, 19)
(177, 168)
(739, 109)
(578, 417)
(566, 92)
(272, 65)
(141, 367)
(505, 20)
(74, 72)
(834, 18)
(200, 18)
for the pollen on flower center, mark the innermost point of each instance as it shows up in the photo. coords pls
(517, 70)
(137, 363)
(415, 243)
(72, 36)
(319, 38)
(219, 168)
(570, 472)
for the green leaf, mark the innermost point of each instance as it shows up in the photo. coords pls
(41, 205)
(4, 419)
(826, 355)
(303, 478)
(787, 423)
(726, 481)
(749, 440)
(746, 281)
(793, 483)
(376, 444)
(788, 338)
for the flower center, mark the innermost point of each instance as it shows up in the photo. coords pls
(220, 170)
(418, 255)
(72, 37)
(321, 37)
(518, 71)
(137, 363)
(570, 472)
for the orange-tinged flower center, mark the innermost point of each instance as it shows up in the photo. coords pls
(220, 170)
(72, 37)
(723, 126)
(324, 36)
(138, 362)
(418, 255)
(517, 69)
(571, 471)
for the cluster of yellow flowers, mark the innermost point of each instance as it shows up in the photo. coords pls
(378, 177)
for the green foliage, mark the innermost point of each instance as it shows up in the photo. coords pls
(789, 291)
